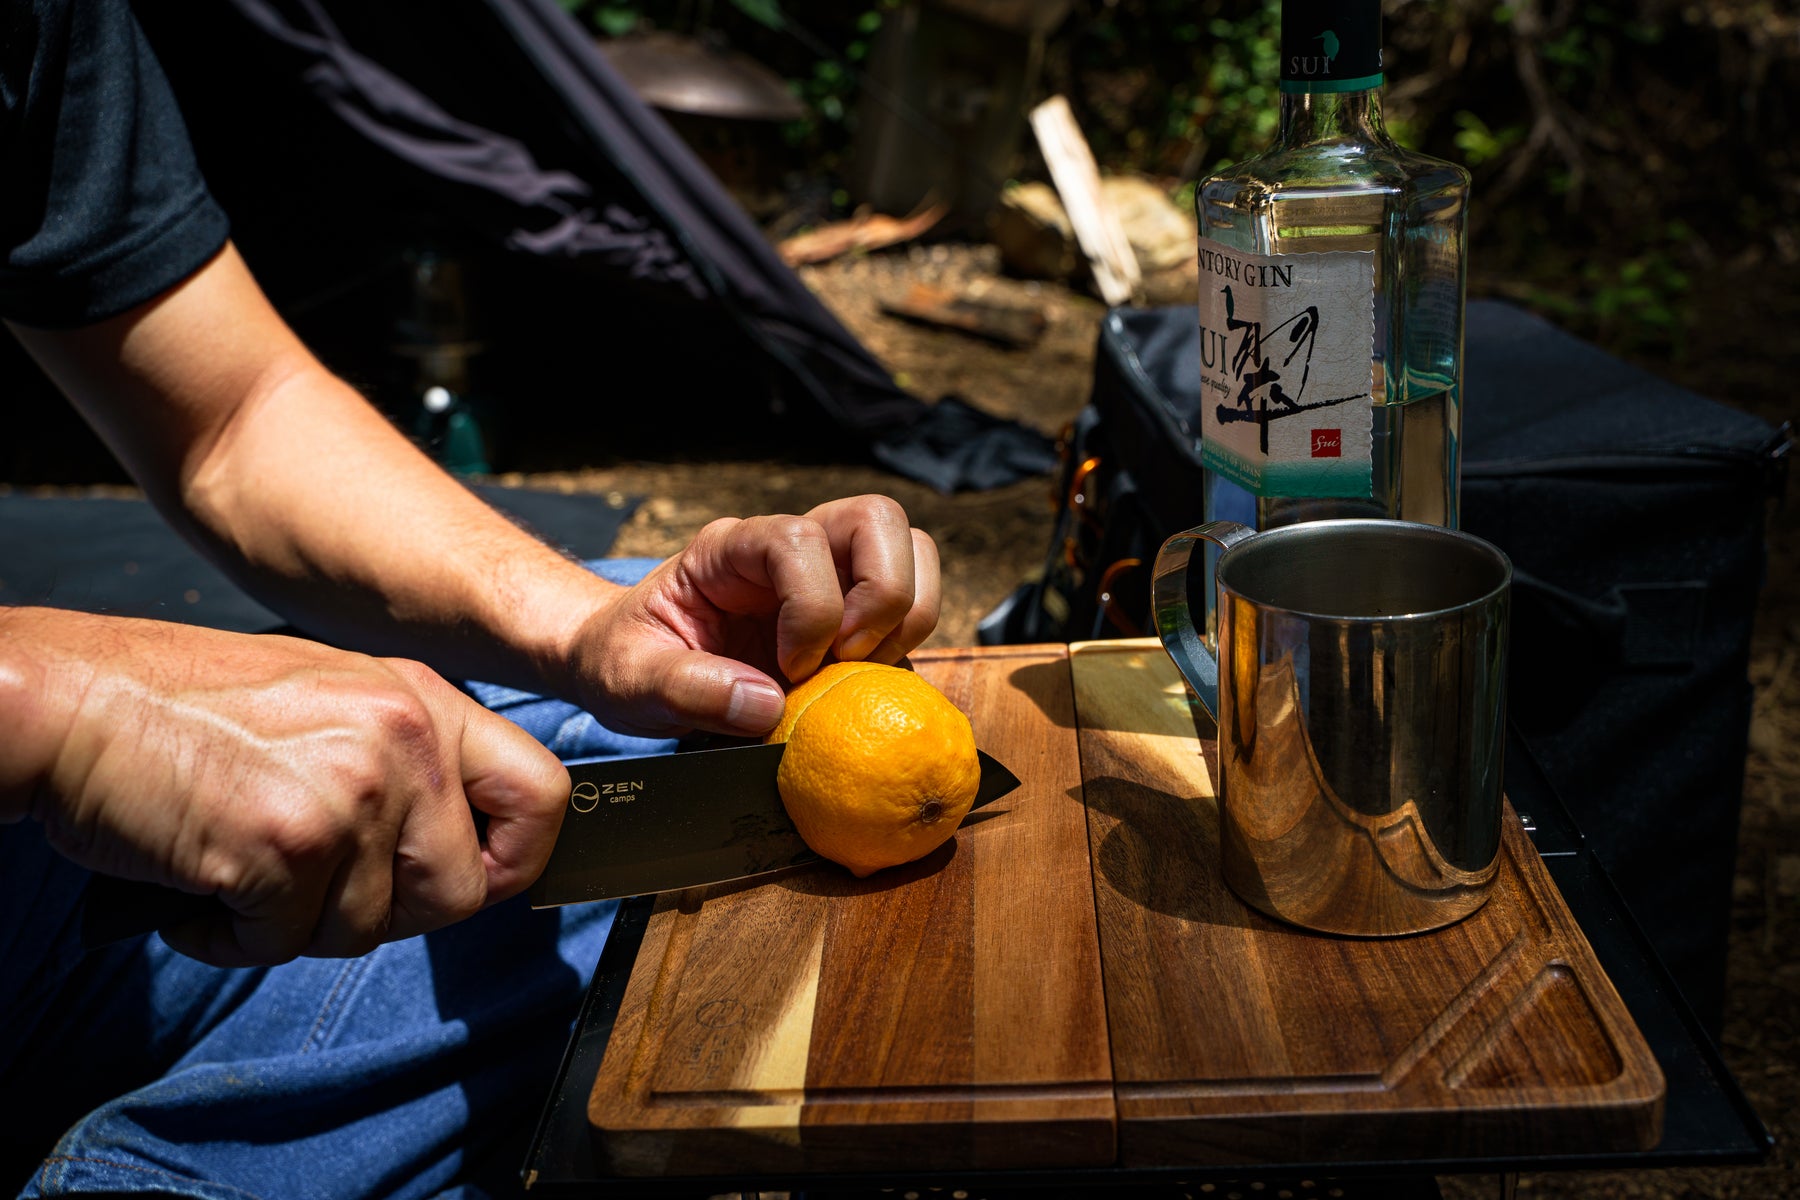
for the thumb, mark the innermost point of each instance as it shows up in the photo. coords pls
(697, 690)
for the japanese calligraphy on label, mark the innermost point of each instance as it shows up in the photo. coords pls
(1287, 347)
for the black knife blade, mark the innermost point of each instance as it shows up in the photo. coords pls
(638, 825)
(659, 824)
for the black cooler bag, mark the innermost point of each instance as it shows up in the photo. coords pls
(1633, 512)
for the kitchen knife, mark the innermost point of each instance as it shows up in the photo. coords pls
(633, 826)
(658, 824)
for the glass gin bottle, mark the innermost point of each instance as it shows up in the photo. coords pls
(1332, 273)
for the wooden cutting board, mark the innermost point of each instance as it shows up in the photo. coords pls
(1070, 983)
(1238, 1038)
(946, 1014)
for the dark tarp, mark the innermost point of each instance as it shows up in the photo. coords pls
(623, 298)
(113, 555)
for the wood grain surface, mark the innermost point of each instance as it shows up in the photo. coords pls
(1070, 982)
(1238, 1038)
(946, 1014)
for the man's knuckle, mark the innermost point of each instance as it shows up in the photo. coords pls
(798, 532)
(883, 509)
(359, 782)
(717, 537)
(402, 713)
(304, 835)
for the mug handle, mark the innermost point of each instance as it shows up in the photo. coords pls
(1169, 602)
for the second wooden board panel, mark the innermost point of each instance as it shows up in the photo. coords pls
(1239, 1039)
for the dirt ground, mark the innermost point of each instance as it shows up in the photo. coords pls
(988, 541)
(992, 540)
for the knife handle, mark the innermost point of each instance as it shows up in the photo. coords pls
(116, 909)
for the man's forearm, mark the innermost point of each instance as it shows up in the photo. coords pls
(362, 540)
(307, 495)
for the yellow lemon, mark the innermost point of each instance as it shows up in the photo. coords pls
(880, 767)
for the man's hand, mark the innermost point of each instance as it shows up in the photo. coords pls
(703, 641)
(326, 799)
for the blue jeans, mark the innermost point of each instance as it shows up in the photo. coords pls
(416, 1070)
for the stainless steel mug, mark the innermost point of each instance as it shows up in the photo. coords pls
(1359, 688)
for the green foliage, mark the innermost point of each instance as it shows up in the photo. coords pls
(1403, 128)
(766, 13)
(1481, 145)
(1171, 86)
(1640, 138)
(1592, 129)
(1237, 103)
(614, 20)
(1636, 303)
(1184, 195)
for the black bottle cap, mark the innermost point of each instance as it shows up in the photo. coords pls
(1330, 45)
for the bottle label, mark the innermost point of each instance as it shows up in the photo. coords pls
(1287, 347)
(1330, 45)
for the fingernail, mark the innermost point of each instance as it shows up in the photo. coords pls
(860, 645)
(755, 704)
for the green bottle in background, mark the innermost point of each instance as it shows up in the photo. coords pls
(434, 330)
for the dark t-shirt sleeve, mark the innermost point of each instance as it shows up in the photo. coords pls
(102, 205)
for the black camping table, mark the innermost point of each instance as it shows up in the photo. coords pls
(1707, 1121)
